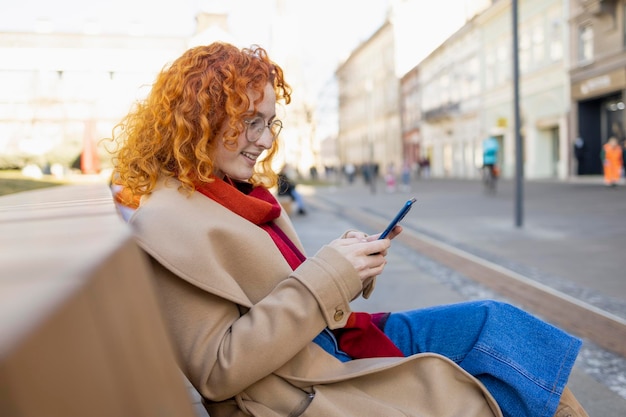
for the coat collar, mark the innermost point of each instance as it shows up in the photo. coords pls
(202, 242)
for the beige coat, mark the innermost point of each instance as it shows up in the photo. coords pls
(243, 322)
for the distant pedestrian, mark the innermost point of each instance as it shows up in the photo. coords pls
(350, 171)
(406, 177)
(425, 167)
(390, 178)
(579, 152)
(624, 158)
(287, 187)
(612, 162)
(490, 154)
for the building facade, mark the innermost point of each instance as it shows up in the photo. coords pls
(369, 104)
(543, 81)
(411, 119)
(449, 82)
(598, 79)
(62, 93)
(464, 93)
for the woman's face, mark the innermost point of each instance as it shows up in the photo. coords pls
(238, 163)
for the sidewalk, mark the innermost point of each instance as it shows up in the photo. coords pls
(573, 236)
(572, 239)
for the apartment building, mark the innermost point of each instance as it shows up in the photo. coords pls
(467, 92)
(598, 78)
(543, 81)
(572, 58)
(63, 90)
(378, 80)
(464, 93)
(60, 93)
(449, 84)
(411, 118)
(369, 104)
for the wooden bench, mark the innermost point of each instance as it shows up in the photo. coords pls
(80, 330)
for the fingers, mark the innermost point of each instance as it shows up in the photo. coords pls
(395, 232)
(366, 256)
(367, 265)
(365, 246)
(397, 229)
(355, 234)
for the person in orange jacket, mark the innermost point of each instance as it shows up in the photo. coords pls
(612, 162)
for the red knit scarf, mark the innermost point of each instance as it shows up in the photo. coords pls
(362, 336)
(257, 205)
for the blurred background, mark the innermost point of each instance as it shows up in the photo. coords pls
(394, 85)
(403, 89)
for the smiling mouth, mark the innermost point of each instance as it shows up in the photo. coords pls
(250, 156)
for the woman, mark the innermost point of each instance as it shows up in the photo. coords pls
(263, 330)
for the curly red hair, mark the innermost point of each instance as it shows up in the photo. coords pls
(173, 131)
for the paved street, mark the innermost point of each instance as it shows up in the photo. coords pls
(572, 240)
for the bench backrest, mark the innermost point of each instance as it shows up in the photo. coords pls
(80, 330)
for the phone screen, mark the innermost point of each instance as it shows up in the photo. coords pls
(403, 211)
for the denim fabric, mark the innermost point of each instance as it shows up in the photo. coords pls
(327, 341)
(297, 197)
(523, 361)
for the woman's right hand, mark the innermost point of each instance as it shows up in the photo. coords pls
(366, 256)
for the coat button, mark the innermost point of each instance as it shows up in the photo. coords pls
(338, 315)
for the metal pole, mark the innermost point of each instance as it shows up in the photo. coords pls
(519, 146)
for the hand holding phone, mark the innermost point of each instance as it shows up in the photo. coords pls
(403, 211)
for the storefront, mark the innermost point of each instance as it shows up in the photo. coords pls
(599, 114)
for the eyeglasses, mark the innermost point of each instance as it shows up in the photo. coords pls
(256, 126)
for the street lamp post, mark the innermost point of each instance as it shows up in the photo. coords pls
(519, 149)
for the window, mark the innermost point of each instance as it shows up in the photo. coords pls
(524, 51)
(556, 43)
(538, 45)
(490, 60)
(585, 44)
(505, 68)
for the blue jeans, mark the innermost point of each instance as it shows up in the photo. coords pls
(523, 361)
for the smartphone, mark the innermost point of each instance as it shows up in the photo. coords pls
(403, 211)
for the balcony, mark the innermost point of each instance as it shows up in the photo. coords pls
(445, 111)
